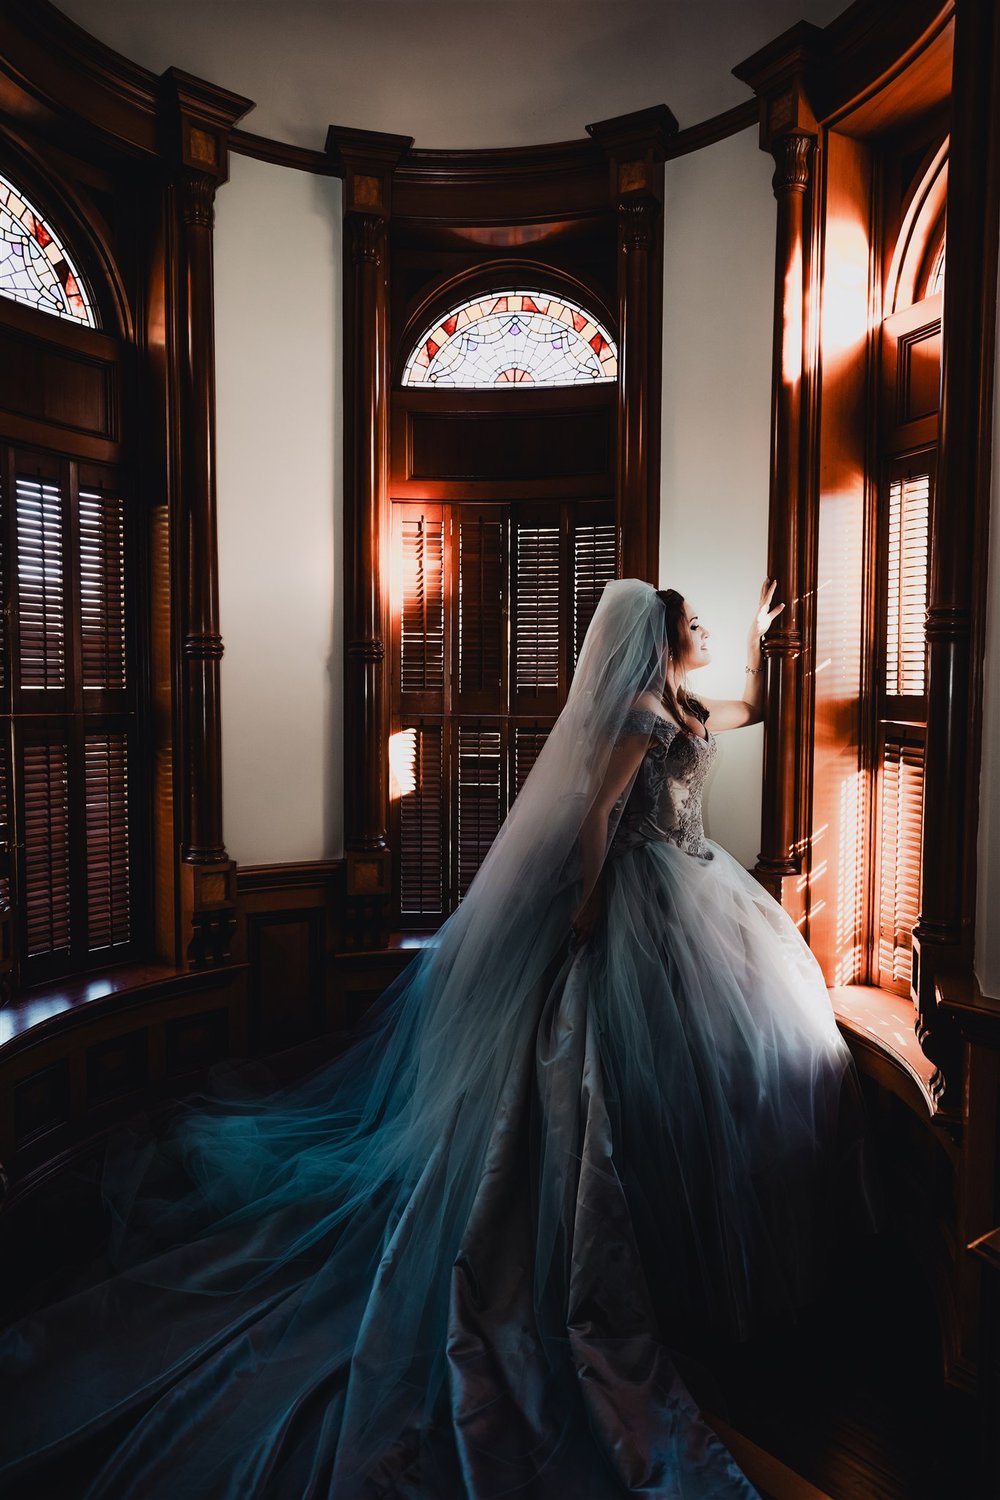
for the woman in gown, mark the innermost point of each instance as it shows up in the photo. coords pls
(607, 1111)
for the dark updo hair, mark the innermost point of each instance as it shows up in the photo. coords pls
(682, 701)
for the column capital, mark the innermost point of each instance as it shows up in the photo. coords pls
(637, 221)
(198, 199)
(791, 154)
(366, 234)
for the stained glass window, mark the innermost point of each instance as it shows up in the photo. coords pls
(514, 338)
(34, 265)
(936, 283)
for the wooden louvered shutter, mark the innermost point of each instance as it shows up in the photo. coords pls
(102, 590)
(7, 834)
(419, 758)
(418, 745)
(901, 811)
(490, 603)
(538, 589)
(108, 884)
(479, 608)
(902, 715)
(594, 564)
(69, 713)
(46, 824)
(906, 583)
(39, 544)
(479, 605)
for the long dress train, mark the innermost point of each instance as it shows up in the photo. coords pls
(659, 1142)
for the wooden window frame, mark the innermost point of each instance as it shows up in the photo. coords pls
(448, 217)
(829, 113)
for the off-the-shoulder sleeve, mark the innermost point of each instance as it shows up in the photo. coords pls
(645, 722)
(637, 721)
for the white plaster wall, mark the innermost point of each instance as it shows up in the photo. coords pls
(719, 226)
(518, 71)
(987, 958)
(278, 357)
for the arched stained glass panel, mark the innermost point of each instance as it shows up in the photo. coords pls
(34, 265)
(514, 338)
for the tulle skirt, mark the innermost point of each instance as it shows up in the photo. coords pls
(458, 1260)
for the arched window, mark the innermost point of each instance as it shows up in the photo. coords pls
(69, 695)
(513, 338)
(503, 536)
(35, 267)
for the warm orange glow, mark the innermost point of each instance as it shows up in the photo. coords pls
(401, 778)
(845, 290)
(850, 871)
(921, 223)
(791, 345)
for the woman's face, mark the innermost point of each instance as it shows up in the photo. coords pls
(694, 648)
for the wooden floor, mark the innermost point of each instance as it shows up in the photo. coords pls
(849, 1405)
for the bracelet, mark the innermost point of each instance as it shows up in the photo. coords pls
(755, 669)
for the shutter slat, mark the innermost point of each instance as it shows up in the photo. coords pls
(420, 821)
(422, 622)
(102, 590)
(536, 609)
(527, 746)
(594, 558)
(40, 583)
(106, 790)
(479, 791)
(906, 585)
(46, 848)
(902, 790)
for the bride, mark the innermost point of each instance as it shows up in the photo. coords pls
(605, 1112)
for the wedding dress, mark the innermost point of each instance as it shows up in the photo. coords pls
(453, 1263)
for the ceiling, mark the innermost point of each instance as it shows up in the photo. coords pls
(452, 73)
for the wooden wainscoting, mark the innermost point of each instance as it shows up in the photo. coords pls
(302, 980)
(77, 1060)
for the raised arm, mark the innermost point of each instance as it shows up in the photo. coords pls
(734, 713)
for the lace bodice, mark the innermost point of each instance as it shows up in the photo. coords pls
(665, 800)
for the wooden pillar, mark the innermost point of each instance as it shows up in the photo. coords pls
(943, 936)
(782, 812)
(788, 133)
(636, 146)
(203, 117)
(366, 160)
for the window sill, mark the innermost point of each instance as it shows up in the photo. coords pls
(882, 1022)
(47, 1006)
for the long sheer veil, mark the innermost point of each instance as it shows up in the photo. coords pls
(350, 1190)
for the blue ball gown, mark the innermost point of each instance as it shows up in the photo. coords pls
(458, 1261)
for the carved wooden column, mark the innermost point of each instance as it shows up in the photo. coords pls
(788, 132)
(636, 146)
(782, 813)
(366, 160)
(203, 116)
(943, 936)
